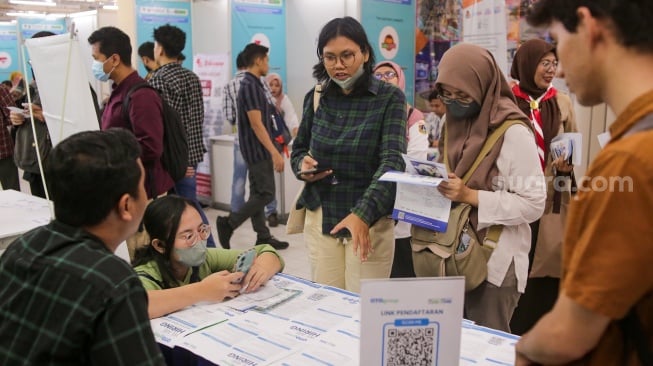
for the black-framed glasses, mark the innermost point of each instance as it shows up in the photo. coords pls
(385, 75)
(346, 58)
(447, 98)
(190, 237)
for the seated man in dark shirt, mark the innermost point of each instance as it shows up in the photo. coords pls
(66, 299)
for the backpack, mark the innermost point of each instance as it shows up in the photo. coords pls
(175, 144)
(280, 133)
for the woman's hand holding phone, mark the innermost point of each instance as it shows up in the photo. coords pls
(310, 172)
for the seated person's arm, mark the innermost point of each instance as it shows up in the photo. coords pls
(215, 288)
(266, 265)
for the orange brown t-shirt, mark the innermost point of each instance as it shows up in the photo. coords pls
(608, 245)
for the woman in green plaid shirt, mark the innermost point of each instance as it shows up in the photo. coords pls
(358, 132)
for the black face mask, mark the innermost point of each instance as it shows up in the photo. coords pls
(459, 111)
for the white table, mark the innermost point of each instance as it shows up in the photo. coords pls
(19, 213)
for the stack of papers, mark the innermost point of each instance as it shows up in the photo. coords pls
(569, 145)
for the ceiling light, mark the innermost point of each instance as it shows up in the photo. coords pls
(110, 7)
(26, 15)
(34, 3)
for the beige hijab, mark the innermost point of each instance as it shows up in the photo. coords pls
(473, 70)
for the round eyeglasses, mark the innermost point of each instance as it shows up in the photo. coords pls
(346, 58)
(190, 237)
(385, 75)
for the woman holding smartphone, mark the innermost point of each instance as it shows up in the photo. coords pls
(358, 131)
(178, 270)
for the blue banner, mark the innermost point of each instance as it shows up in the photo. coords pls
(390, 27)
(152, 14)
(29, 26)
(8, 50)
(262, 22)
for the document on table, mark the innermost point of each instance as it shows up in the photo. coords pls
(481, 345)
(169, 329)
(411, 321)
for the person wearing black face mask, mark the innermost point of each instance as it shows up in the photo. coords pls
(506, 188)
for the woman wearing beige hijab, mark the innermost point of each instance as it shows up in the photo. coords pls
(506, 189)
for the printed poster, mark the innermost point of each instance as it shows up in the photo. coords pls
(213, 71)
(8, 50)
(152, 14)
(390, 25)
(262, 22)
(484, 24)
(439, 26)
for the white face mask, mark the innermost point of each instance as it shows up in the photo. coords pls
(349, 82)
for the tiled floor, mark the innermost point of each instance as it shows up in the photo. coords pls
(295, 256)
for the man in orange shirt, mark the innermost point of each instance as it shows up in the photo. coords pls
(604, 312)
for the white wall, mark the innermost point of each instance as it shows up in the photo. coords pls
(211, 26)
(304, 20)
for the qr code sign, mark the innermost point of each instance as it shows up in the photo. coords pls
(409, 346)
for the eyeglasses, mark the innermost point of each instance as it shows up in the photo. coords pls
(385, 75)
(346, 58)
(447, 98)
(546, 64)
(203, 231)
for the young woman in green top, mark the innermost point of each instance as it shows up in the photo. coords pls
(178, 270)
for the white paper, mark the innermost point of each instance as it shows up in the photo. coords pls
(604, 138)
(411, 321)
(169, 329)
(566, 144)
(20, 212)
(63, 85)
(483, 346)
(425, 167)
(418, 202)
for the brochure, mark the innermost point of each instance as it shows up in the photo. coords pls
(569, 145)
(418, 201)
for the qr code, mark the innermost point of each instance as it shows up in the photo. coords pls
(409, 346)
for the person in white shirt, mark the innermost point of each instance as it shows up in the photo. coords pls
(418, 144)
(282, 102)
(507, 188)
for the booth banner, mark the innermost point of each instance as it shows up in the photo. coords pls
(262, 22)
(8, 50)
(390, 25)
(152, 14)
(484, 24)
(29, 26)
(213, 71)
(438, 28)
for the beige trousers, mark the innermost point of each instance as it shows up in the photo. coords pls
(333, 261)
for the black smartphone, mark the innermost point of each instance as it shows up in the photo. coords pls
(315, 170)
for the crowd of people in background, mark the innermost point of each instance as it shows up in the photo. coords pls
(572, 276)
